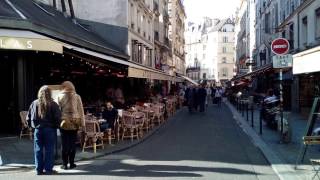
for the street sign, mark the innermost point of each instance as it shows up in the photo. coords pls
(282, 61)
(280, 46)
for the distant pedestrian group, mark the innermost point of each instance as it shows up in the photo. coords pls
(198, 97)
(45, 116)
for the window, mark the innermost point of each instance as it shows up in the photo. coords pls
(224, 60)
(224, 72)
(224, 49)
(304, 30)
(317, 25)
(225, 39)
(204, 75)
(266, 26)
(204, 56)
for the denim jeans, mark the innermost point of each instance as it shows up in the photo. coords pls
(44, 143)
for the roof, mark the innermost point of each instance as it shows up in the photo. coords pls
(221, 23)
(47, 21)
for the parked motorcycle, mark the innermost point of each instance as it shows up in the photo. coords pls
(269, 111)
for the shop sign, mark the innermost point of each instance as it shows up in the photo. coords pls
(141, 73)
(30, 44)
(282, 61)
(306, 61)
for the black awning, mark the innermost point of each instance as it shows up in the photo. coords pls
(256, 72)
(46, 20)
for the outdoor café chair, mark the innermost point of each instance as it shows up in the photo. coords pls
(93, 137)
(130, 128)
(113, 134)
(139, 118)
(25, 130)
(158, 113)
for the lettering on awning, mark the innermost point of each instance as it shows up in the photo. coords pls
(18, 43)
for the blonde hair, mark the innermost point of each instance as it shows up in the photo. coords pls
(68, 86)
(44, 101)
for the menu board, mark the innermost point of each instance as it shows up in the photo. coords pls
(55, 91)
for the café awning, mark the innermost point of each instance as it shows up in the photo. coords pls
(189, 80)
(257, 71)
(307, 61)
(25, 40)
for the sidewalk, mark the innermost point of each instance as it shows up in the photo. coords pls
(285, 154)
(17, 154)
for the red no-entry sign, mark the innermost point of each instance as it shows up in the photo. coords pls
(280, 46)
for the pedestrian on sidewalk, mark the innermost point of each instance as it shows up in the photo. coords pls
(44, 117)
(208, 89)
(189, 96)
(202, 96)
(72, 120)
(195, 98)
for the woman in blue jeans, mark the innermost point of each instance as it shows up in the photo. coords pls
(44, 116)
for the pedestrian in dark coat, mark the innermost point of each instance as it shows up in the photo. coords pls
(202, 95)
(44, 116)
(195, 99)
(190, 98)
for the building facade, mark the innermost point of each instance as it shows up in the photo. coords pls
(245, 37)
(210, 46)
(177, 17)
(139, 27)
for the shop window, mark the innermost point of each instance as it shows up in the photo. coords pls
(317, 23)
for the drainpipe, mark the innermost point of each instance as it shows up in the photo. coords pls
(71, 9)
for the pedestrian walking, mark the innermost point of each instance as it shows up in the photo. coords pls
(218, 96)
(44, 117)
(213, 94)
(189, 95)
(72, 120)
(202, 96)
(208, 89)
(195, 98)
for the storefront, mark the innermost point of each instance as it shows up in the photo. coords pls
(306, 68)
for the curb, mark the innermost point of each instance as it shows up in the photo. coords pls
(23, 167)
(283, 170)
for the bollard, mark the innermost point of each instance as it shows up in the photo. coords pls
(242, 104)
(247, 109)
(252, 111)
(260, 122)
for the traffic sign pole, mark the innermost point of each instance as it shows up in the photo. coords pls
(281, 102)
(280, 47)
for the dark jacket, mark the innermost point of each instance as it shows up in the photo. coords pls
(52, 118)
(202, 95)
(110, 116)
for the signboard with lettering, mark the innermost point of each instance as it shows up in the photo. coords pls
(283, 61)
(18, 43)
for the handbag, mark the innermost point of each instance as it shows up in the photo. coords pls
(70, 124)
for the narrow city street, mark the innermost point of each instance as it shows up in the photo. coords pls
(188, 146)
